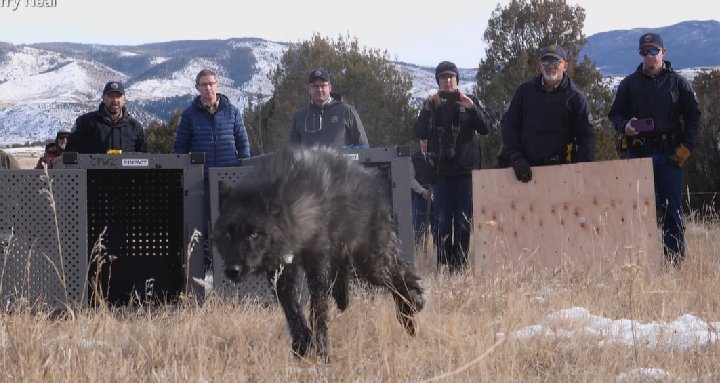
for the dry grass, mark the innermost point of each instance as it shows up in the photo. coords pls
(457, 339)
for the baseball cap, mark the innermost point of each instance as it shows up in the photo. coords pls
(554, 51)
(652, 39)
(113, 86)
(318, 74)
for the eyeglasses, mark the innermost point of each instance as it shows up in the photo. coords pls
(206, 84)
(551, 62)
(651, 52)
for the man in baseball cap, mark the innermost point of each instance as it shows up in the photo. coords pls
(657, 93)
(110, 128)
(327, 120)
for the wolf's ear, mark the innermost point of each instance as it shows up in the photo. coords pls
(224, 189)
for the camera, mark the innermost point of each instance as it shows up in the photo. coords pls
(447, 150)
(452, 97)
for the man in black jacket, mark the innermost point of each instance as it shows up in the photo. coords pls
(665, 103)
(108, 128)
(450, 121)
(548, 120)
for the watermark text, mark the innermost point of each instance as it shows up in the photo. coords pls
(14, 5)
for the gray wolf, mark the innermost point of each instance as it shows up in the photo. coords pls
(311, 208)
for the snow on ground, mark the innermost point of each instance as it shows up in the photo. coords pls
(685, 333)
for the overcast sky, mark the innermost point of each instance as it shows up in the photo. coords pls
(419, 32)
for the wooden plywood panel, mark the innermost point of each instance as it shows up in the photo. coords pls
(592, 215)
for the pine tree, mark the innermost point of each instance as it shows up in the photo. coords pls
(160, 136)
(702, 178)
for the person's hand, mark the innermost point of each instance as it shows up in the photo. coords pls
(681, 154)
(432, 102)
(465, 101)
(427, 195)
(629, 130)
(521, 167)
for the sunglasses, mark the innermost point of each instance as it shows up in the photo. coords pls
(551, 62)
(651, 52)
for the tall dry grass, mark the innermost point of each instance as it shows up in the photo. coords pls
(457, 338)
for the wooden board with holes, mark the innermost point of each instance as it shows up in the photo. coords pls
(590, 215)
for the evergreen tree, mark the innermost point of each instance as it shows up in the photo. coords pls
(160, 136)
(702, 179)
(366, 79)
(516, 34)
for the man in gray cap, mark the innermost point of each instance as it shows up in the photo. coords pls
(547, 121)
(108, 129)
(327, 120)
(657, 113)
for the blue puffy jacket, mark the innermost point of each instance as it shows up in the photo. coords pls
(221, 136)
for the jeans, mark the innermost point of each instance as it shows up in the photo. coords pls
(422, 216)
(453, 214)
(668, 200)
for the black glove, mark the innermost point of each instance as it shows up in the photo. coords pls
(521, 167)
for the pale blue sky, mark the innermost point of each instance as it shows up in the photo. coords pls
(420, 32)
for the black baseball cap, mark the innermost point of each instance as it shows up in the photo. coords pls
(652, 39)
(113, 86)
(318, 74)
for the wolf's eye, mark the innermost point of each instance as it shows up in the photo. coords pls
(254, 235)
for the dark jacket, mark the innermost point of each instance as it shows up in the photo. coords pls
(335, 124)
(539, 124)
(436, 126)
(666, 98)
(96, 133)
(52, 150)
(424, 170)
(221, 136)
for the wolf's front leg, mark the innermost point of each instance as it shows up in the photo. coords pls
(288, 292)
(319, 285)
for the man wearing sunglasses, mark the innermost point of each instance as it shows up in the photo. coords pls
(547, 121)
(665, 103)
(327, 120)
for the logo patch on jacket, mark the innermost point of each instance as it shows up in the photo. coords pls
(334, 119)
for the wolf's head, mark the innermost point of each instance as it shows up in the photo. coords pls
(249, 230)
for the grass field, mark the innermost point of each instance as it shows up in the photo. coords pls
(458, 338)
(468, 332)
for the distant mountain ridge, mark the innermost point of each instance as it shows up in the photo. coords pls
(45, 86)
(689, 44)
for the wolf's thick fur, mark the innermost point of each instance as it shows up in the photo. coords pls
(315, 209)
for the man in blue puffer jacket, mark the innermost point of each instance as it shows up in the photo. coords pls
(213, 125)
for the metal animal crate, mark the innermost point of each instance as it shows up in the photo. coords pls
(125, 223)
